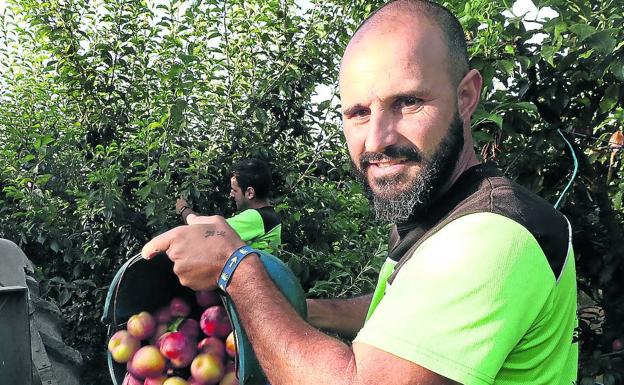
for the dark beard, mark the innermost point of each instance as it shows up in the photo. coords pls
(399, 206)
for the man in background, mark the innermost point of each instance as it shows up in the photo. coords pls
(256, 222)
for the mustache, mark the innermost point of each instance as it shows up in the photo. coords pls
(389, 153)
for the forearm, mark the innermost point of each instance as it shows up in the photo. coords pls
(289, 350)
(343, 316)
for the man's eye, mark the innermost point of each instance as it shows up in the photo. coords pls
(361, 113)
(409, 101)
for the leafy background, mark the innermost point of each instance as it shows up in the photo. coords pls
(111, 109)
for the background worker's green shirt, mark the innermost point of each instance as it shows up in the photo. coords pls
(479, 302)
(259, 228)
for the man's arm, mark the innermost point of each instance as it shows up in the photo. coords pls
(342, 316)
(289, 349)
(292, 352)
(184, 210)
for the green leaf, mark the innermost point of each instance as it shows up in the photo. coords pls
(481, 117)
(610, 98)
(43, 141)
(617, 201)
(617, 68)
(548, 53)
(602, 41)
(582, 30)
(64, 297)
(149, 209)
(527, 106)
(163, 162)
(507, 66)
(481, 136)
(177, 112)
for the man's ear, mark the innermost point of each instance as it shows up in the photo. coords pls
(468, 94)
(250, 193)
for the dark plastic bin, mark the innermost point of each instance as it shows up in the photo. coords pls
(15, 354)
(148, 285)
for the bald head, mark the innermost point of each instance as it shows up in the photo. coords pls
(386, 18)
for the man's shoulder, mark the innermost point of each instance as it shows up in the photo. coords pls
(500, 195)
(265, 217)
(246, 215)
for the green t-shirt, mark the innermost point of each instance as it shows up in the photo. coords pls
(478, 303)
(259, 228)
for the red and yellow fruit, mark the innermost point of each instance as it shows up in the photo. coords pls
(214, 321)
(141, 325)
(207, 368)
(230, 345)
(122, 346)
(147, 362)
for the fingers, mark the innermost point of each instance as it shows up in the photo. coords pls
(199, 219)
(159, 244)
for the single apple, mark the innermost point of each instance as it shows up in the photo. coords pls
(212, 345)
(175, 381)
(179, 307)
(178, 348)
(129, 379)
(214, 321)
(122, 346)
(141, 325)
(207, 298)
(230, 345)
(147, 362)
(160, 380)
(617, 345)
(207, 368)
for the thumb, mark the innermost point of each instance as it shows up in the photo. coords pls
(158, 244)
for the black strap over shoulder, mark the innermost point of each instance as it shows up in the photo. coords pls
(482, 188)
(444, 210)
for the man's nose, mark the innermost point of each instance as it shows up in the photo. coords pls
(382, 131)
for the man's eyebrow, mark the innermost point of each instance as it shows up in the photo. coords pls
(420, 93)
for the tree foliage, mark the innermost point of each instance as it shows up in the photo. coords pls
(111, 109)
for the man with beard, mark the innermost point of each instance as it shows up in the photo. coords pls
(479, 286)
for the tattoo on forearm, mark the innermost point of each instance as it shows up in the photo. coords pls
(212, 233)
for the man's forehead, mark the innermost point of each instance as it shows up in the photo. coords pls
(410, 29)
(379, 56)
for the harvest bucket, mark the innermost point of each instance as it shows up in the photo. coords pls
(142, 285)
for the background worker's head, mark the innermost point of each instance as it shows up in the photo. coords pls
(407, 97)
(250, 182)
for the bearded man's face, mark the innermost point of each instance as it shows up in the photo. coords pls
(397, 196)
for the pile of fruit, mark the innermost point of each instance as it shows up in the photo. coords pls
(170, 347)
